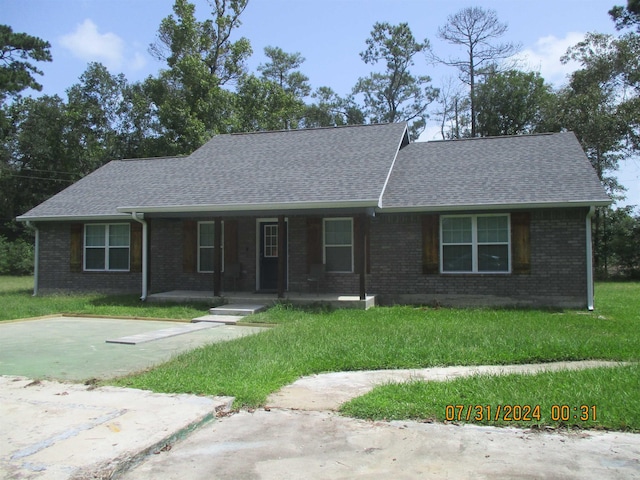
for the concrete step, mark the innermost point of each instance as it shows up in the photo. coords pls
(219, 319)
(237, 309)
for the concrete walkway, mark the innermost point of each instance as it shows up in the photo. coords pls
(328, 391)
(295, 437)
(66, 431)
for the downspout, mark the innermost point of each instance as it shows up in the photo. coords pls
(139, 217)
(590, 296)
(36, 258)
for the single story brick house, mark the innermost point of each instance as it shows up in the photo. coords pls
(352, 210)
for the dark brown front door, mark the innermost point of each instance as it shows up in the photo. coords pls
(269, 255)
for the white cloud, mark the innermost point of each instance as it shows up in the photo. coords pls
(544, 57)
(88, 44)
(138, 62)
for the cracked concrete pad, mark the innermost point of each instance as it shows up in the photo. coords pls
(287, 444)
(57, 431)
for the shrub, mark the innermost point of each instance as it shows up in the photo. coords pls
(16, 258)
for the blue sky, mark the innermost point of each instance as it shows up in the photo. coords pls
(328, 33)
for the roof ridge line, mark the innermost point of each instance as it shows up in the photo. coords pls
(495, 137)
(148, 158)
(316, 128)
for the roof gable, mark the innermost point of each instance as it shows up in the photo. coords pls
(336, 166)
(523, 170)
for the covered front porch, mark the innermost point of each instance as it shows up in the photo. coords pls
(331, 299)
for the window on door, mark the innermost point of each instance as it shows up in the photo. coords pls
(271, 241)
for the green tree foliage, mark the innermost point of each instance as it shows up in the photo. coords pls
(183, 37)
(627, 17)
(36, 162)
(612, 64)
(511, 103)
(395, 94)
(601, 105)
(17, 51)
(331, 110)
(622, 242)
(277, 98)
(475, 29)
(16, 257)
(282, 69)
(94, 108)
(618, 244)
(188, 97)
(263, 104)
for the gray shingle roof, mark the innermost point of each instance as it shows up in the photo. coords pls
(337, 167)
(515, 170)
(341, 166)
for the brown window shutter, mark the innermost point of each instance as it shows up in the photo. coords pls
(135, 248)
(189, 246)
(314, 241)
(230, 242)
(521, 243)
(76, 245)
(431, 244)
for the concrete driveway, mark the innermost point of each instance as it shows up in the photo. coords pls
(76, 348)
(289, 444)
(60, 431)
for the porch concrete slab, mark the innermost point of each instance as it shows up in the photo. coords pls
(295, 298)
(62, 431)
(184, 296)
(158, 334)
(238, 309)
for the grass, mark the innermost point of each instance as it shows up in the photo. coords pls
(605, 398)
(17, 302)
(403, 337)
(315, 341)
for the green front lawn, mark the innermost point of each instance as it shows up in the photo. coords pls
(401, 337)
(571, 398)
(407, 337)
(17, 301)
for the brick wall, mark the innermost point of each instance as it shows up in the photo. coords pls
(166, 258)
(557, 277)
(55, 272)
(558, 265)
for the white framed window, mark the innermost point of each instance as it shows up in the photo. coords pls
(106, 247)
(206, 246)
(338, 244)
(475, 243)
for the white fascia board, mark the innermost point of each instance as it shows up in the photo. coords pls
(494, 206)
(259, 207)
(73, 218)
(393, 163)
